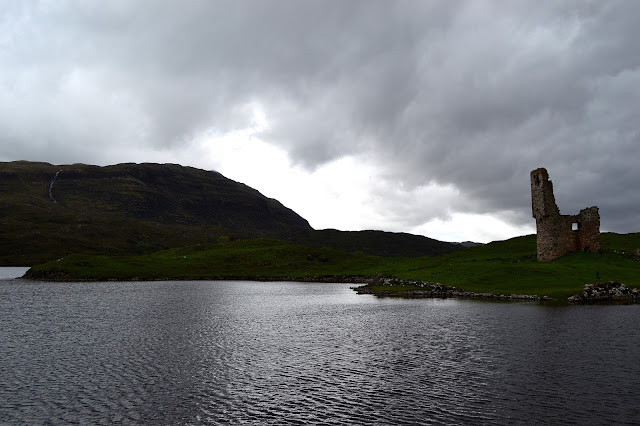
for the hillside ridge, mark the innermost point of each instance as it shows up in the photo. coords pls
(48, 211)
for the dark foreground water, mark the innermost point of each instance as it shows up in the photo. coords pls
(291, 353)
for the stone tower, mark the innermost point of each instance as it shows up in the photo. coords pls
(558, 234)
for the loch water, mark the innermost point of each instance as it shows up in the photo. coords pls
(207, 352)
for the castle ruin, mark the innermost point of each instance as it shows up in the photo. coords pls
(558, 234)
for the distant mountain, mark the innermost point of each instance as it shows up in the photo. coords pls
(469, 244)
(48, 211)
(376, 242)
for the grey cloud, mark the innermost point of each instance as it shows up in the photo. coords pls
(468, 94)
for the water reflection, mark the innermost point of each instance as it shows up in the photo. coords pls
(11, 272)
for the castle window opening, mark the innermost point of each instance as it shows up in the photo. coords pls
(575, 226)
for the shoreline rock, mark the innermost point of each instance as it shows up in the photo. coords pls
(611, 292)
(607, 292)
(59, 276)
(429, 290)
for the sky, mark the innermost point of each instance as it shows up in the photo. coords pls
(407, 116)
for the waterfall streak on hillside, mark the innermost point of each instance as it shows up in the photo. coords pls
(51, 186)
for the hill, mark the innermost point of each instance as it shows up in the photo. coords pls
(501, 267)
(379, 243)
(49, 211)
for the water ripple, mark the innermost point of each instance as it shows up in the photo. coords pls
(300, 354)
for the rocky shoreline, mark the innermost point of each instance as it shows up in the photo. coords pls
(429, 290)
(59, 276)
(608, 292)
(611, 292)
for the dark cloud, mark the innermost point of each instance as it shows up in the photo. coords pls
(465, 94)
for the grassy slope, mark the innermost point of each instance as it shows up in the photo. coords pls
(507, 267)
(126, 209)
(510, 267)
(129, 209)
(248, 259)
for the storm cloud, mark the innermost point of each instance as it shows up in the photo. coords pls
(452, 102)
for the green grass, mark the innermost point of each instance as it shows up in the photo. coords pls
(503, 267)
(510, 267)
(242, 259)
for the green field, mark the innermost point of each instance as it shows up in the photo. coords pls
(505, 267)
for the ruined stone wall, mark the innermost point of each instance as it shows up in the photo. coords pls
(558, 234)
(588, 235)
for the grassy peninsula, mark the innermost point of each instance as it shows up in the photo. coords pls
(502, 267)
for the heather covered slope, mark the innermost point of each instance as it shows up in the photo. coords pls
(49, 211)
(378, 243)
(163, 193)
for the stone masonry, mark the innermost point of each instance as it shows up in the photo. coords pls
(558, 234)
